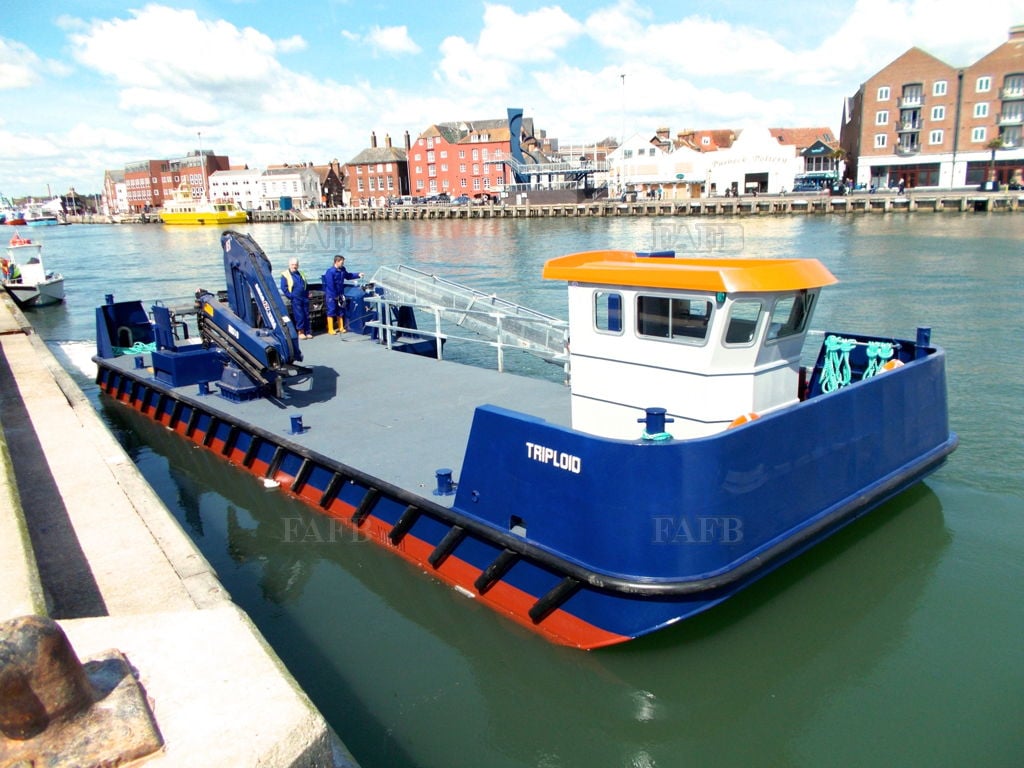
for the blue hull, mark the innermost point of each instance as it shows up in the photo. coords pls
(586, 540)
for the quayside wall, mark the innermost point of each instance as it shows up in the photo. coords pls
(86, 543)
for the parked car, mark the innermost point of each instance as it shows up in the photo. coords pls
(461, 200)
(441, 199)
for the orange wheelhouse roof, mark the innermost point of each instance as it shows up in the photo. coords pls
(625, 268)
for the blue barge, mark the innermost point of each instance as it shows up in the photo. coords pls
(690, 454)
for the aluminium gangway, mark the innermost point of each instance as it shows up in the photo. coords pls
(503, 322)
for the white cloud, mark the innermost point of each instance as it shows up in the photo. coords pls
(508, 43)
(19, 65)
(175, 48)
(392, 40)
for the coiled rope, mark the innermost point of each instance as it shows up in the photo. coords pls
(835, 372)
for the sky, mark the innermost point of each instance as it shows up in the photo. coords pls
(87, 87)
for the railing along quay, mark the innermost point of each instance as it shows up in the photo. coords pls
(740, 206)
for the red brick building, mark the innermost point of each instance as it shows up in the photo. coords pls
(378, 174)
(462, 158)
(151, 182)
(924, 121)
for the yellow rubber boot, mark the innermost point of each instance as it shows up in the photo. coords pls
(341, 325)
(330, 325)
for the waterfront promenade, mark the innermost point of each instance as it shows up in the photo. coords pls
(861, 203)
(86, 542)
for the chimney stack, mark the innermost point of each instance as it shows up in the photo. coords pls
(373, 139)
(387, 140)
(408, 144)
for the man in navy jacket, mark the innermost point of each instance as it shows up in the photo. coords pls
(334, 293)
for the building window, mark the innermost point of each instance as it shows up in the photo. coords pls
(983, 85)
(1013, 86)
(978, 134)
(981, 109)
(882, 117)
(939, 88)
(627, 154)
(883, 93)
(880, 141)
(938, 113)
(935, 137)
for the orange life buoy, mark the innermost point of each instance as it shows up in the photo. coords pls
(892, 364)
(744, 419)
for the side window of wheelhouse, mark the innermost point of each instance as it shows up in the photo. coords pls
(789, 315)
(743, 320)
(608, 312)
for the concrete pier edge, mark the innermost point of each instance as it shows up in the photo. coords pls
(219, 693)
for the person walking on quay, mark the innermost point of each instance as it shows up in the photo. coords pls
(334, 293)
(296, 289)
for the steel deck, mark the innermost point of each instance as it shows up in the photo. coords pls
(393, 415)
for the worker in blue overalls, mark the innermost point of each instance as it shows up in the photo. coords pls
(295, 287)
(334, 293)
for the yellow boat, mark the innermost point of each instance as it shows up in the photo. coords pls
(183, 209)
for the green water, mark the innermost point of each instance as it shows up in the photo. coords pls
(898, 642)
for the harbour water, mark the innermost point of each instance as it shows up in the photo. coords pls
(897, 642)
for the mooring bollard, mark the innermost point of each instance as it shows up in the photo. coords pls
(58, 712)
(41, 678)
(445, 485)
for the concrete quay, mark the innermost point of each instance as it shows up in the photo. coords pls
(924, 201)
(747, 206)
(85, 541)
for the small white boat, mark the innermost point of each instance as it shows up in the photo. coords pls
(43, 214)
(26, 278)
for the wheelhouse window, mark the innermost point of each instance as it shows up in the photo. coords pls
(608, 312)
(743, 320)
(678, 319)
(789, 315)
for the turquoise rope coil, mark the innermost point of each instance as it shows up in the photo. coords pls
(879, 353)
(137, 348)
(656, 437)
(835, 372)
